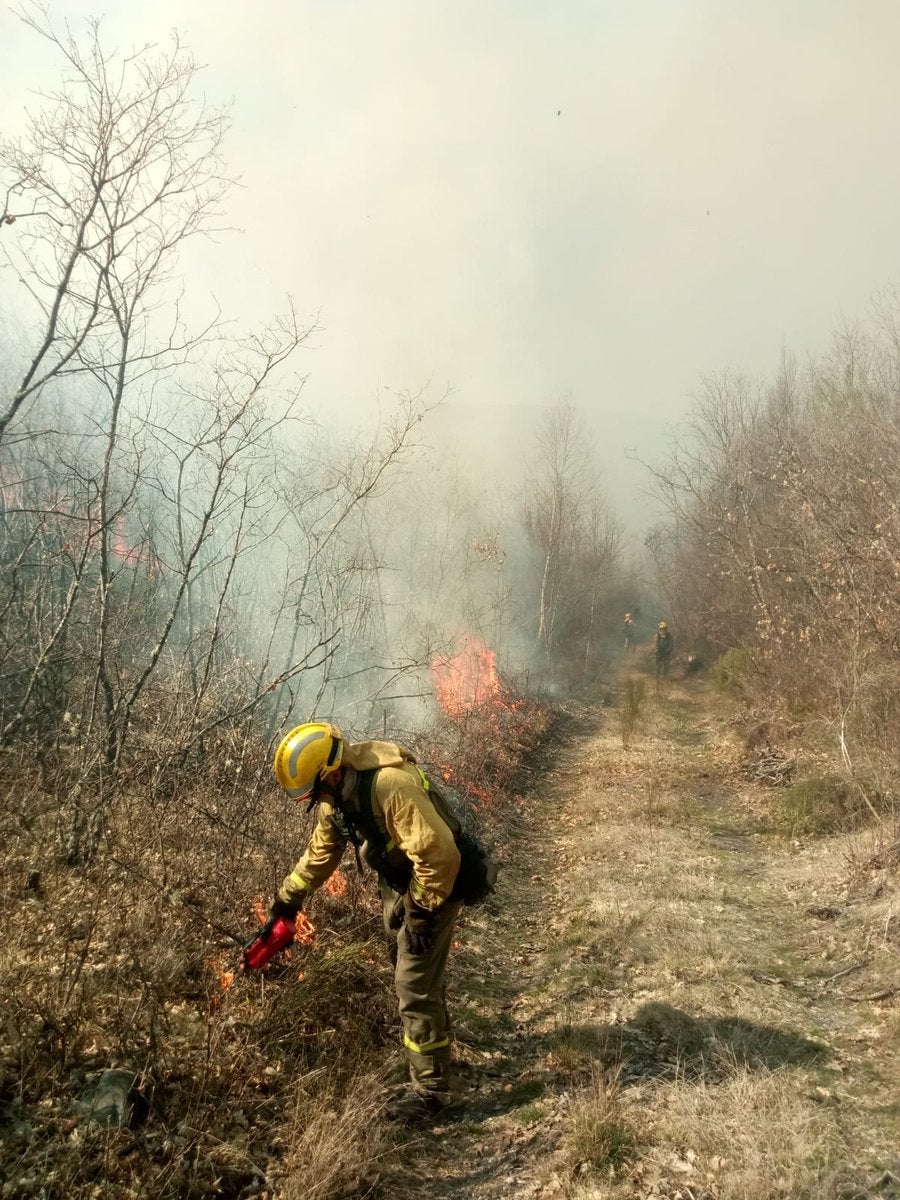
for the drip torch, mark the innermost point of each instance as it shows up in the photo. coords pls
(268, 941)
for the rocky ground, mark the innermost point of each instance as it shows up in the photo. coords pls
(675, 996)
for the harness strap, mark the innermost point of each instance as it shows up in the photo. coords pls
(377, 849)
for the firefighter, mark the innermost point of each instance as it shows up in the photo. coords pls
(628, 630)
(373, 795)
(664, 644)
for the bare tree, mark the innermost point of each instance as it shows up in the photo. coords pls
(114, 172)
(573, 530)
(163, 438)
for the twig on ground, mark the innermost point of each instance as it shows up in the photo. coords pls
(885, 994)
(779, 979)
(821, 980)
(846, 971)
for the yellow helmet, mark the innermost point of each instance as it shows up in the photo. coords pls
(307, 753)
(628, 616)
(663, 625)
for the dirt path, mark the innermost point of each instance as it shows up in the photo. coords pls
(666, 1003)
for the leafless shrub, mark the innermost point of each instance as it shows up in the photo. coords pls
(633, 696)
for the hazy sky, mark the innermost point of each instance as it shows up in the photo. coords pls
(521, 199)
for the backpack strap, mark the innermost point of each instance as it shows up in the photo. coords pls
(477, 875)
(345, 828)
(364, 816)
(377, 849)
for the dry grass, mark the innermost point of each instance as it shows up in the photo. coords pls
(602, 1134)
(721, 1077)
(750, 1136)
(337, 1140)
(709, 1019)
(577, 1049)
(679, 1023)
(753, 1136)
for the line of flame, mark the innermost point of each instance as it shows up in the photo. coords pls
(479, 793)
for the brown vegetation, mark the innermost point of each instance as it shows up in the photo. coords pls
(241, 1085)
(783, 556)
(188, 564)
(691, 1000)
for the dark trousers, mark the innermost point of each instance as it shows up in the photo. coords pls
(420, 984)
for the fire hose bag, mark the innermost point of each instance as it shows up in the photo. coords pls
(477, 877)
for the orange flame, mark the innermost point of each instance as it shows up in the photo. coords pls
(119, 548)
(305, 934)
(467, 680)
(336, 885)
(128, 554)
(306, 931)
(226, 979)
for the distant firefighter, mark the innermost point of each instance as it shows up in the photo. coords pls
(694, 664)
(628, 631)
(664, 644)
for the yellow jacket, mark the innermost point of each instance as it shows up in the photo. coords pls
(416, 826)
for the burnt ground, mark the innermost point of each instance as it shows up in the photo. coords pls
(674, 996)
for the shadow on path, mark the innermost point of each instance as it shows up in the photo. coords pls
(659, 1042)
(663, 1041)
